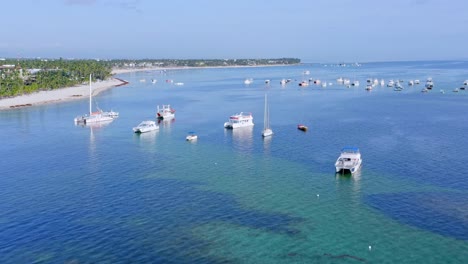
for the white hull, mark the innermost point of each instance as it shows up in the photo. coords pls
(144, 130)
(92, 119)
(191, 137)
(267, 132)
(349, 161)
(166, 116)
(351, 168)
(237, 125)
(146, 126)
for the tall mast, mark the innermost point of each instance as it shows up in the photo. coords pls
(265, 117)
(90, 93)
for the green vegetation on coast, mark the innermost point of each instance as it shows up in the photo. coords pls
(23, 76)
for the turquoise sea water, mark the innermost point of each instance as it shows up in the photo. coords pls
(102, 194)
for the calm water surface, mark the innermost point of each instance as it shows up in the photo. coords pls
(101, 194)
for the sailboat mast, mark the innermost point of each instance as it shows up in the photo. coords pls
(265, 117)
(90, 94)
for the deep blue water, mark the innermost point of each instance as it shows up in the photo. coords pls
(103, 194)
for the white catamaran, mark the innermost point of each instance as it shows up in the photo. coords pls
(95, 117)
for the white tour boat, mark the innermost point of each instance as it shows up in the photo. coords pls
(240, 120)
(266, 121)
(349, 160)
(165, 112)
(95, 117)
(146, 126)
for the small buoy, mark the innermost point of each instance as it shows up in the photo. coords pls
(318, 195)
(370, 248)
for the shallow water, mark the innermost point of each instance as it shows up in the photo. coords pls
(104, 194)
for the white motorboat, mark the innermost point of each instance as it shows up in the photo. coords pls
(266, 121)
(429, 83)
(465, 82)
(398, 86)
(304, 83)
(165, 112)
(416, 81)
(154, 81)
(382, 82)
(248, 81)
(239, 120)
(369, 87)
(283, 82)
(179, 83)
(340, 80)
(349, 160)
(146, 126)
(97, 116)
(411, 82)
(390, 83)
(355, 83)
(191, 136)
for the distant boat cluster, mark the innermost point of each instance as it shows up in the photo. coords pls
(371, 83)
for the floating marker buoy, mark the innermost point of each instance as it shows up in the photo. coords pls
(370, 248)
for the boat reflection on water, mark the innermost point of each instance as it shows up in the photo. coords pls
(165, 124)
(267, 143)
(93, 128)
(146, 139)
(242, 137)
(351, 182)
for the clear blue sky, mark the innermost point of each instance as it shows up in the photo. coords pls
(312, 30)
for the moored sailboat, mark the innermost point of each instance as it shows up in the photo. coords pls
(95, 117)
(266, 121)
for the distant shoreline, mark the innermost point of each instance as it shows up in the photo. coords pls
(82, 91)
(133, 69)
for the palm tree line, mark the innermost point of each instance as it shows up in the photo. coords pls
(24, 76)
